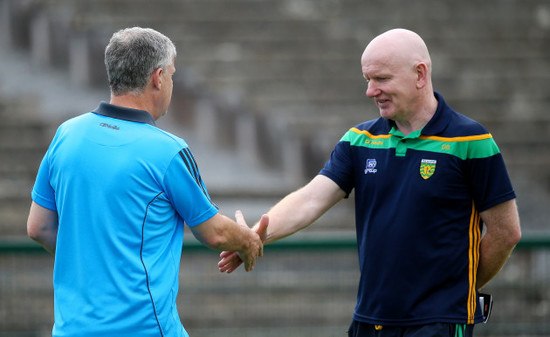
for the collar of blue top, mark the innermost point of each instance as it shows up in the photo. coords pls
(127, 114)
(437, 124)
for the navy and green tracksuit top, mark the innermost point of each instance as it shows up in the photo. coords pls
(418, 199)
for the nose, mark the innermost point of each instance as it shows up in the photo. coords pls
(372, 90)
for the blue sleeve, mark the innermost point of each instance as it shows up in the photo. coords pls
(339, 167)
(489, 182)
(185, 189)
(42, 192)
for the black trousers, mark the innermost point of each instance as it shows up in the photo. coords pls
(359, 329)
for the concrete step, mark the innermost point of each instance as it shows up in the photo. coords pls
(313, 82)
(188, 10)
(241, 49)
(14, 210)
(20, 162)
(23, 135)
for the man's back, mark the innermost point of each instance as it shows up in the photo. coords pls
(120, 235)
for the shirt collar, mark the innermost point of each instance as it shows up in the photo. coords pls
(439, 120)
(437, 123)
(395, 132)
(127, 114)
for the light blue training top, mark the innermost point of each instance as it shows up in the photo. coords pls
(122, 189)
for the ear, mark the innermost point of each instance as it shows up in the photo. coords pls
(156, 78)
(421, 70)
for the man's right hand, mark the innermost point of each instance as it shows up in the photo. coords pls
(232, 260)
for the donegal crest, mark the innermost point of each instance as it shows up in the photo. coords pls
(427, 168)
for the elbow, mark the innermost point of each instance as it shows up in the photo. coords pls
(215, 239)
(42, 226)
(212, 233)
(514, 234)
(41, 231)
(215, 242)
(515, 237)
(515, 228)
(511, 237)
(32, 232)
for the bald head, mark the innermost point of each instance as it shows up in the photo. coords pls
(401, 46)
(397, 66)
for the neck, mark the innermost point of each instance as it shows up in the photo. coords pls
(132, 102)
(420, 117)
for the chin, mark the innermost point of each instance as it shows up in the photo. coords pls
(386, 114)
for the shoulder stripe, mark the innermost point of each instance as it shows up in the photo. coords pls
(458, 139)
(368, 134)
(189, 162)
(192, 167)
(441, 139)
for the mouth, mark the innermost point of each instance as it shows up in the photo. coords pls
(382, 102)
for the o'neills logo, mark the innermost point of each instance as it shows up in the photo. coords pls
(105, 125)
(427, 168)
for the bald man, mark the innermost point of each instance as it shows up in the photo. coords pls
(436, 217)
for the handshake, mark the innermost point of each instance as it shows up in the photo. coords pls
(239, 243)
(231, 260)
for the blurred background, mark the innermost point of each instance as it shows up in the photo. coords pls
(263, 91)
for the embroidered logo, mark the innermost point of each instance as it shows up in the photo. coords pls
(371, 166)
(109, 126)
(427, 168)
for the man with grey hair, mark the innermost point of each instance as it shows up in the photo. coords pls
(111, 198)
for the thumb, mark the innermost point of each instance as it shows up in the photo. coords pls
(262, 227)
(262, 231)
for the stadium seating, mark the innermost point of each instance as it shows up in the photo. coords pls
(266, 88)
(279, 82)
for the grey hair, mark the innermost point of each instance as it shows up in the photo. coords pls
(131, 57)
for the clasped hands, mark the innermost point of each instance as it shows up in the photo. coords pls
(231, 260)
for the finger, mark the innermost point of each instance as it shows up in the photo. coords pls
(239, 218)
(232, 268)
(230, 257)
(249, 261)
(226, 253)
(248, 265)
(262, 231)
(223, 264)
(225, 267)
(261, 251)
(230, 262)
